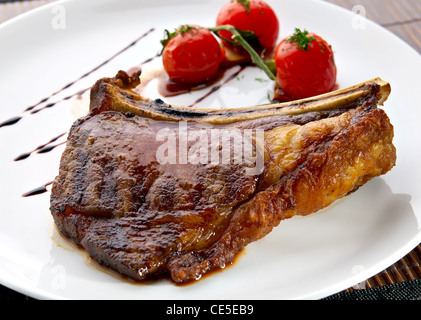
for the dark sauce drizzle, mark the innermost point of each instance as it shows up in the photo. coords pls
(10, 121)
(93, 70)
(80, 93)
(219, 86)
(32, 109)
(50, 148)
(42, 148)
(36, 191)
(168, 88)
(52, 104)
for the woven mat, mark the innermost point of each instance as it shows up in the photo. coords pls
(410, 290)
(402, 280)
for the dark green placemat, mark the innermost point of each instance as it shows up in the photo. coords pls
(410, 290)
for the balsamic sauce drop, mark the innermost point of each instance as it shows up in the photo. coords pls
(37, 191)
(10, 121)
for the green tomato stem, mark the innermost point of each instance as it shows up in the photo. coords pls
(237, 36)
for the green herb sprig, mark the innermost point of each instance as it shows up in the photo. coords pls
(301, 39)
(239, 37)
(183, 29)
(245, 4)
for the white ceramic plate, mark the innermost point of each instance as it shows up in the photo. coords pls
(304, 258)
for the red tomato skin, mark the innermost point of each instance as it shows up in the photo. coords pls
(192, 57)
(301, 73)
(261, 19)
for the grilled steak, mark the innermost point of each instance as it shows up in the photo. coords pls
(143, 197)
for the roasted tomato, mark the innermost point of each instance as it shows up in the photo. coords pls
(191, 55)
(305, 65)
(250, 15)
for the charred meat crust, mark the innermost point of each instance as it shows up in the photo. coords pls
(141, 217)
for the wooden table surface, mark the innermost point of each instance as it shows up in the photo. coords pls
(403, 18)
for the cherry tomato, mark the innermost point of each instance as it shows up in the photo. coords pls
(305, 65)
(251, 15)
(192, 55)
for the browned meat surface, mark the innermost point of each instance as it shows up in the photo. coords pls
(139, 216)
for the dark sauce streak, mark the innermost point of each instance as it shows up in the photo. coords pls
(25, 155)
(50, 105)
(138, 67)
(32, 109)
(37, 191)
(168, 88)
(150, 59)
(80, 93)
(216, 88)
(89, 72)
(50, 148)
(172, 89)
(10, 121)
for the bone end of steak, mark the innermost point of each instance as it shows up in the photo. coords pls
(142, 217)
(116, 94)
